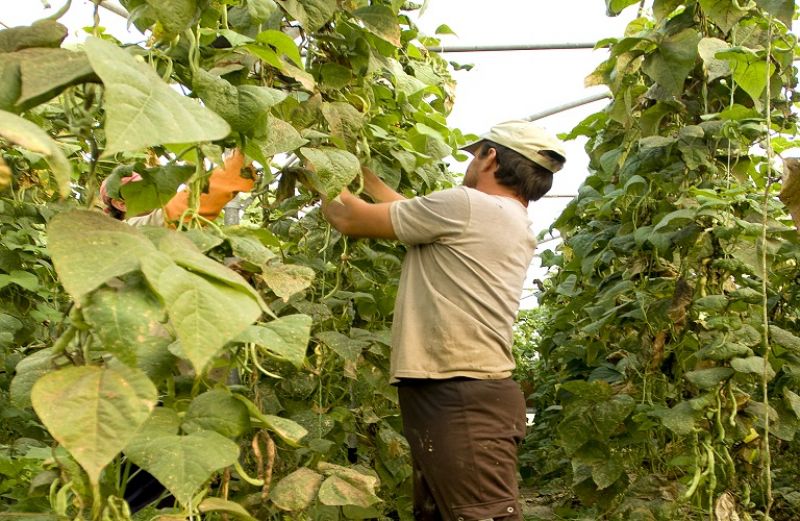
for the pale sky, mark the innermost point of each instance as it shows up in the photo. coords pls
(501, 86)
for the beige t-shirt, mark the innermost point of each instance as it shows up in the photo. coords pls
(154, 218)
(460, 285)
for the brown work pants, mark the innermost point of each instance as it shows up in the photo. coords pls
(463, 435)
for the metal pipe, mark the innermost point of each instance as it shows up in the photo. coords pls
(514, 47)
(232, 216)
(566, 106)
(114, 8)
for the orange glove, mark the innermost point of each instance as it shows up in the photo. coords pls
(223, 185)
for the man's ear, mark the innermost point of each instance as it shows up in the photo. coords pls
(490, 159)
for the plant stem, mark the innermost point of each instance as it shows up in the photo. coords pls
(764, 275)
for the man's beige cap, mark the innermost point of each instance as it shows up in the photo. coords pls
(527, 139)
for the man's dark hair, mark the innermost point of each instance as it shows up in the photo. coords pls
(529, 180)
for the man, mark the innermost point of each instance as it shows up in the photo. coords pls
(223, 185)
(462, 277)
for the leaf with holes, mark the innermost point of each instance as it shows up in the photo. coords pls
(26, 134)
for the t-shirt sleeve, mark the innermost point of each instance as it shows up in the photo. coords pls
(154, 218)
(427, 219)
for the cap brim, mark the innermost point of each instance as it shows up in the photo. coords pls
(472, 147)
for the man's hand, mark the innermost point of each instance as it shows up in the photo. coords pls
(377, 189)
(357, 218)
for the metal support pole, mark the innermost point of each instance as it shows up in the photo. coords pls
(517, 47)
(114, 8)
(567, 106)
(232, 213)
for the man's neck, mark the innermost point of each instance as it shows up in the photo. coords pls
(494, 188)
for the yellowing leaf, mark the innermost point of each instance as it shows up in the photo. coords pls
(312, 14)
(332, 168)
(381, 21)
(89, 248)
(346, 486)
(26, 134)
(206, 315)
(92, 411)
(297, 490)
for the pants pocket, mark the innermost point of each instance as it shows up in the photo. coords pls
(497, 510)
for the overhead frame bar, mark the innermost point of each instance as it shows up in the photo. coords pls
(567, 106)
(515, 47)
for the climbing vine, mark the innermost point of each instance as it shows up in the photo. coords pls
(213, 371)
(669, 350)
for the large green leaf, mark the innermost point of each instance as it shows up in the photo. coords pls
(282, 43)
(381, 21)
(710, 377)
(174, 15)
(332, 169)
(183, 251)
(671, 62)
(724, 13)
(753, 365)
(28, 371)
(679, 419)
(286, 337)
(10, 82)
(22, 132)
(242, 107)
(206, 314)
(297, 490)
(89, 248)
(181, 463)
(44, 33)
(46, 72)
(92, 411)
(662, 8)
(783, 10)
(784, 338)
(715, 67)
(312, 14)
(345, 486)
(218, 411)
(749, 70)
(278, 136)
(143, 111)
(344, 121)
(23, 279)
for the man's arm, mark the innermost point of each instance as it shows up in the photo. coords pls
(355, 217)
(377, 189)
